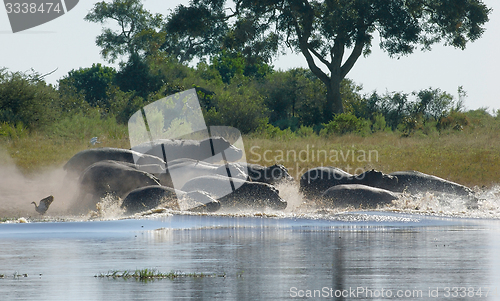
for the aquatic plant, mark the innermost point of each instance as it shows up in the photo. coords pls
(153, 274)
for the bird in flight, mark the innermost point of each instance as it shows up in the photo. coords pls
(44, 204)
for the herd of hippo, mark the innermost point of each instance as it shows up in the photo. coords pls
(142, 180)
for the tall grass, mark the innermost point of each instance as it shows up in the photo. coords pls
(58, 142)
(470, 157)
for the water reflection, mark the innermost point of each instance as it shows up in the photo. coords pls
(261, 259)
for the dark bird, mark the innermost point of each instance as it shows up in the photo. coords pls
(44, 204)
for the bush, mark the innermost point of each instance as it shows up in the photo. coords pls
(269, 131)
(28, 100)
(305, 131)
(240, 106)
(92, 82)
(379, 123)
(345, 123)
(455, 120)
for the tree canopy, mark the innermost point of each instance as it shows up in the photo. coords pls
(138, 28)
(333, 34)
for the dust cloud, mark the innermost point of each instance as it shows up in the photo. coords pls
(17, 191)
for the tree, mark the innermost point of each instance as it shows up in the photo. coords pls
(194, 31)
(136, 76)
(26, 100)
(323, 31)
(138, 28)
(93, 82)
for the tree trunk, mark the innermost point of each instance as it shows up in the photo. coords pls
(333, 98)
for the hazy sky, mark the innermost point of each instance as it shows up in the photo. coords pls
(68, 42)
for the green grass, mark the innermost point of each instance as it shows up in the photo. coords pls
(34, 151)
(152, 274)
(470, 157)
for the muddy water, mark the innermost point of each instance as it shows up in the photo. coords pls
(360, 255)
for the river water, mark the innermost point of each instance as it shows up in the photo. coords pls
(356, 255)
(419, 248)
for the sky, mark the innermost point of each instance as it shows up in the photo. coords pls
(68, 42)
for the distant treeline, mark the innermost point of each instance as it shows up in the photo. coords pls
(252, 97)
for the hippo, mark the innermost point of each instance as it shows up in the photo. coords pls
(415, 182)
(109, 177)
(201, 150)
(150, 197)
(79, 162)
(317, 180)
(356, 195)
(273, 174)
(252, 195)
(183, 170)
(374, 178)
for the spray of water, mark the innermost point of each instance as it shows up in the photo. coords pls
(18, 191)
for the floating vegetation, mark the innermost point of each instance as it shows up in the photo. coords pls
(153, 274)
(15, 275)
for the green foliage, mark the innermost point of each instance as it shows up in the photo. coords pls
(92, 82)
(124, 104)
(27, 100)
(136, 76)
(269, 131)
(432, 103)
(305, 131)
(455, 120)
(230, 64)
(480, 117)
(13, 132)
(138, 28)
(239, 106)
(345, 123)
(322, 31)
(194, 31)
(82, 127)
(293, 94)
(379, 123)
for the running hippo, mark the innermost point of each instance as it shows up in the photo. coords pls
(251, 195)
(356, 195)
(415, 182)
(200, 150)
(181, 171)
(79, 162)
(273, 174)
(317, 180)
(150, 197)
(109, 177)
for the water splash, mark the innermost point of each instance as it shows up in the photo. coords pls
(108, 208)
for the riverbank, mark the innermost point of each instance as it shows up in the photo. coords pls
(469, 157)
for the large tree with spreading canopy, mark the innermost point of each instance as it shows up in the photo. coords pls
(333, 34)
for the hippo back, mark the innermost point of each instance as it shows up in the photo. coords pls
(113, 177)
(83, 159)
(357, 196)
(251, 195)
(415, 182)
(200, 150)
(316, 180)
(376, 179)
